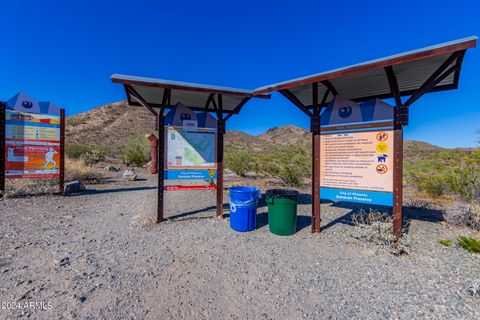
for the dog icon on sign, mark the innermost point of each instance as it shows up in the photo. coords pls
(382, 158)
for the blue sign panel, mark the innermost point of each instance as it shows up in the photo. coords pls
(192, 174)
(358, 196)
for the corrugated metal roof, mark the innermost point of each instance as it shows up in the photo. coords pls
(368, 80)
(193, 95)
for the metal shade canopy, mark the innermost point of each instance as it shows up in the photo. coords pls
(157, 93)
(371, 79)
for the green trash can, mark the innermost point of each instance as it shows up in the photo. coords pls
(282, 211)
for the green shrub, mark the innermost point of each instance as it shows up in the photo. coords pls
(137, 151)
(455, 172)
(239, 161)
(291, 164)
(76, 150)
(470, 244)
(445, 242)
(92, 157)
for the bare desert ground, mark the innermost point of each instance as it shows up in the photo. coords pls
(98, 256)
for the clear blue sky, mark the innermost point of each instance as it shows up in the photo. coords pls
(65, 51)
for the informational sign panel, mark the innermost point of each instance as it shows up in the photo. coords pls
(357, 154)
(191, 149)
(191, 140)
(32, 145)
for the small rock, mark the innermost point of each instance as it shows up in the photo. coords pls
(129, 175)
(112, 168)
(62, 261)
(73, 187)
(81, 299)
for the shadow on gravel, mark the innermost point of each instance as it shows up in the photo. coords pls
(92, 191)
(409, 213)
(302, 221)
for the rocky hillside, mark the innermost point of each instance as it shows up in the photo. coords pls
(112, 125)
(109, 126)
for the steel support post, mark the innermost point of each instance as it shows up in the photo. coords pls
(220, 136)
(160, 165)
(2, 147)
(62, 152)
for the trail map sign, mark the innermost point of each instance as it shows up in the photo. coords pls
(190, 140)
(190, 149)
(357, 152)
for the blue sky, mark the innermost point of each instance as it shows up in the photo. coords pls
(65, 51)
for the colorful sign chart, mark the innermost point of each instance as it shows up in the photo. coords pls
(32, 145)
(356, 152)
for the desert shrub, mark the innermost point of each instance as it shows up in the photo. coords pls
(291, 164)
(92, 157)
(445, 242)
(455, 172)
(470, 244)
(463, 213)
(376, 227)
(76, 150)
(239, 161)
(137, 151)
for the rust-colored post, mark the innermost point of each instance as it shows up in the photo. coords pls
(315, 128)
(315, 182)
(397, 181)
(161, 165)
(2, 147)
(153, 152)
(220, 134)
(62, 152)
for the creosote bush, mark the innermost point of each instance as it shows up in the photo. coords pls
(451, 172)
(76, 150)
(376, 227)
(92, 157)
(464, 213)
(292, 164)
(137, 151)
(240, 161)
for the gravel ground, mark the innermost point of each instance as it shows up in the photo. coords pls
(97, 256)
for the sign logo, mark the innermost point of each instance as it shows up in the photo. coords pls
(382, 168)
(27, 104)
(382, 136)
(345, 112)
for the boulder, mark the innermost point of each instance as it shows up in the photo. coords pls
(129, 175)
(73, 187)
(112, 168)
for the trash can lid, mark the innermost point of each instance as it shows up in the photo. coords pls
(282, 194)
(242, 189)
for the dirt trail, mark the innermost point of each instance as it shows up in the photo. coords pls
(96, 256)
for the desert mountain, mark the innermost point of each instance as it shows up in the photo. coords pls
(112, 125)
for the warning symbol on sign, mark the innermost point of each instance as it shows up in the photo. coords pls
(382, 136)
(382, 168)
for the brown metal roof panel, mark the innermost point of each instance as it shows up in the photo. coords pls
(415, 55)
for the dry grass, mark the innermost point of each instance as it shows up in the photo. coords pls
(376, 227)
(466, 214)
(76, 169)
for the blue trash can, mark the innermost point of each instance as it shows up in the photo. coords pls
(243, 208)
